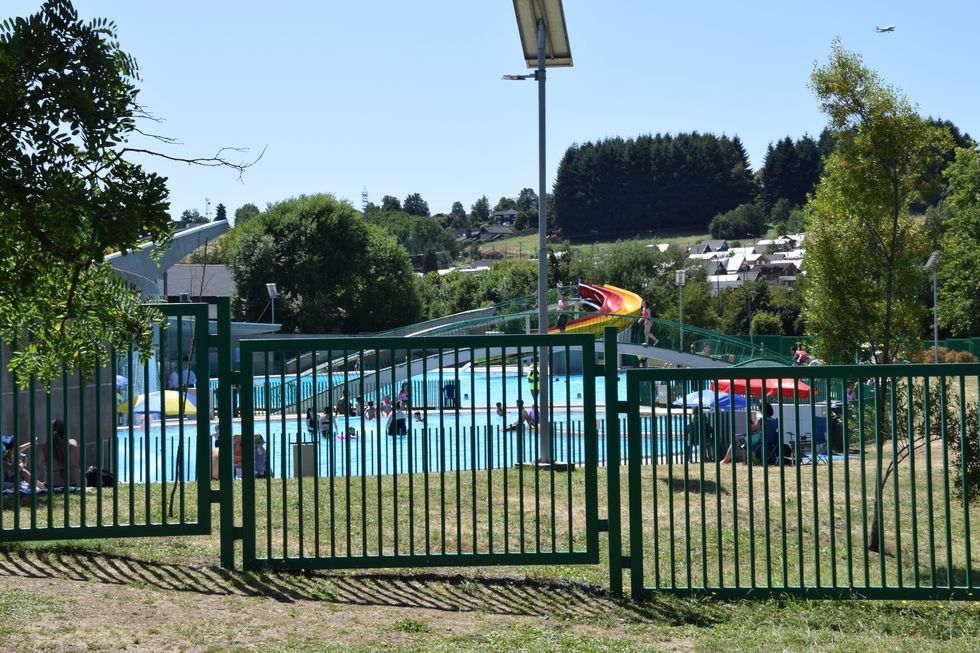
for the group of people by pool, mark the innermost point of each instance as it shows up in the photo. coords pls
(59, 453)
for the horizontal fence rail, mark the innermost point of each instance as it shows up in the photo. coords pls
(111, 454)
(445, 468)
(818, 481)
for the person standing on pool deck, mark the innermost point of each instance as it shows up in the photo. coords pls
(647, 325)
(532, 382)
(563, 316)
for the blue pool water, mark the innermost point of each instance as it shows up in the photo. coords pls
(429, 447)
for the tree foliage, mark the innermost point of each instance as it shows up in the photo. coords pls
(245, 212)
(390, 203)
(790, 170)
(959, 297)
(191, 217)
(458, 291)
(744, 221)
(415, 205)
(68, 195)
(220, 213)
(480, 210)
(864, 255)
(417, 234)
(625, 187)
(335, 272)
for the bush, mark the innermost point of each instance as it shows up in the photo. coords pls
(744, 221)
(945, 356)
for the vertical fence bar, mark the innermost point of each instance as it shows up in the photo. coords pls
(633, 426)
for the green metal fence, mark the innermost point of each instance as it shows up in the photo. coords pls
(863, 483)
(834, 498)
(149, 463)
(452, 479)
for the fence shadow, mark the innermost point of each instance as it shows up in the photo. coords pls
(693, 486)
(502, 595)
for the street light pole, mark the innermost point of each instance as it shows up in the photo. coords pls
(680, 278)
(933, 264)
(541, 25)
(543, 357)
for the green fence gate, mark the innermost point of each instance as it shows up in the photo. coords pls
(449, 476)
(835, 498)
(150, 475)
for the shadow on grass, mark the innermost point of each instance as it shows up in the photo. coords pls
(553, 599)
(693, 486)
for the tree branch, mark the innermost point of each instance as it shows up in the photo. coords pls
(216, 161)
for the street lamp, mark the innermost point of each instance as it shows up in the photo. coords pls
(273, 293)
(680, 279)
(544, 39)
(931, 265)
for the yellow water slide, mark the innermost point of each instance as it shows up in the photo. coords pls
(618, 307)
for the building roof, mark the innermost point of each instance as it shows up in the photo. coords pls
(188, 278)
(497, 230)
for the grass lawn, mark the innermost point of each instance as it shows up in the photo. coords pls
(526, 246)
(170, 593)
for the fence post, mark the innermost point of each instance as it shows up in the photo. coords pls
(613, 462)
(225, 413)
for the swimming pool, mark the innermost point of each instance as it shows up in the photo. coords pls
(445, 442)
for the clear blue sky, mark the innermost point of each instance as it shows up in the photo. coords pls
(402, 97)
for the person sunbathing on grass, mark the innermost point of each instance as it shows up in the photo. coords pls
(15, 476)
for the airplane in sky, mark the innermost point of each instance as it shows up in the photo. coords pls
(887, 28)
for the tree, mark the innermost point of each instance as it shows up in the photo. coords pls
(191, 217)
(864, 255)
(458, 212)
(297, 243)
(744, 221)
(626, 187)
(505, 203)
(220, 213)
(244, 213)
(67, 193)
(480, 211)
(959, 298)
(790, 171)
(390, 203)
(766, 323)
(429, 262)
(417, 234)
(415, 205)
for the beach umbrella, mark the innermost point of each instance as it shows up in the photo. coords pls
(169, 400)
(773, 387)
(706, 399)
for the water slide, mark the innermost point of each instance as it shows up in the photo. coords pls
(604, 303)
(599, 306)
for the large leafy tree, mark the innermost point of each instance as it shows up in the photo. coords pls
(390, 203)
(68, 105)
(480, 210)
(245, 212)
(864, 255)
(335, 272)
(415, 205)
(417, 234)
(959, 300)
